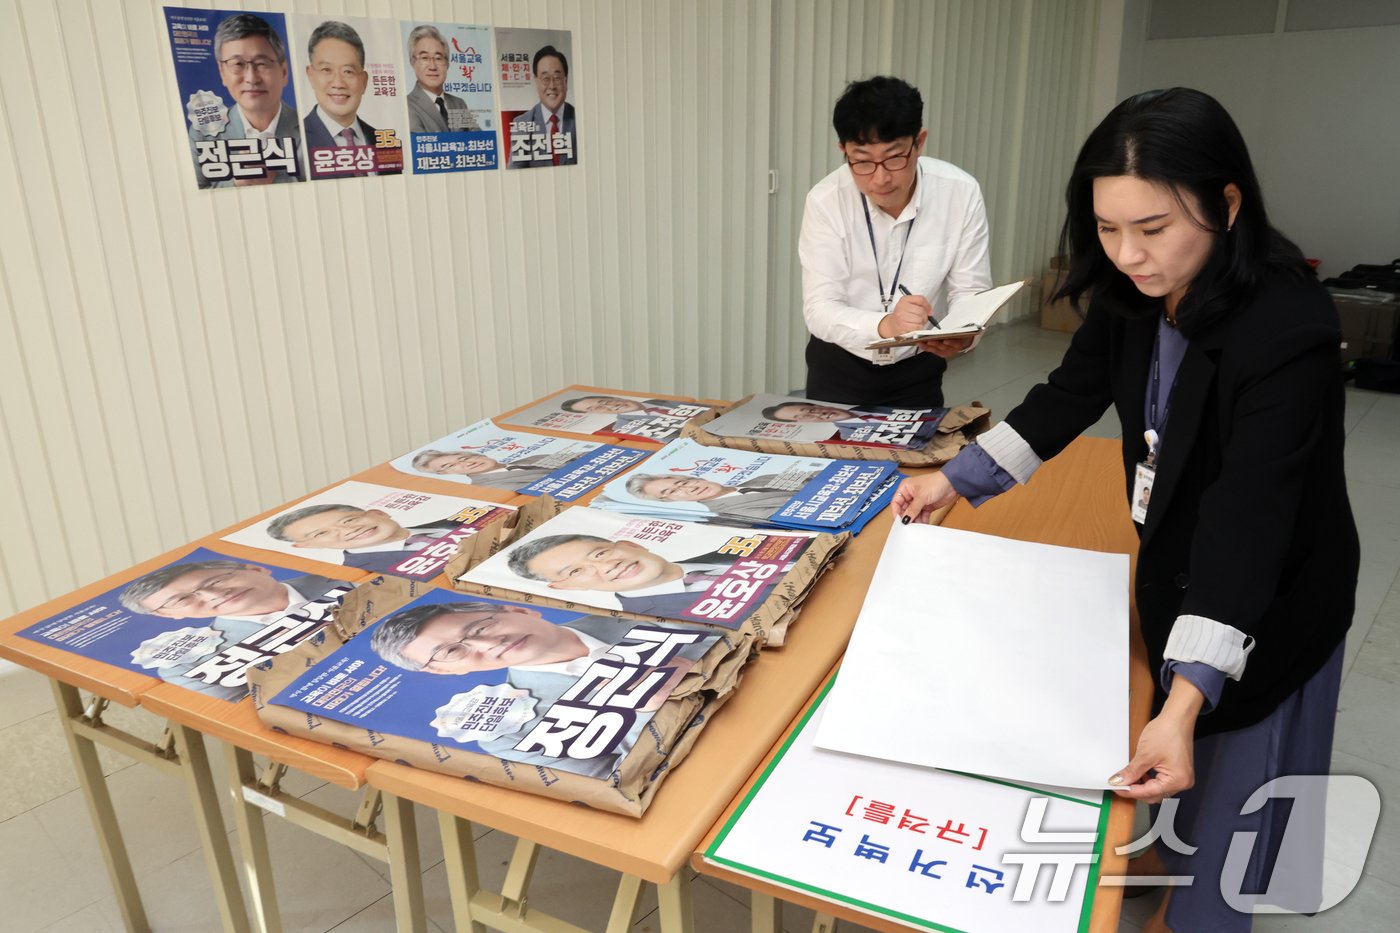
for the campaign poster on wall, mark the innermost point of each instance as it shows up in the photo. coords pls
(239, 113)
(537, 110)
(199, 622)
(348, 82)
(378, 529)
(448, 83)
(504, 679)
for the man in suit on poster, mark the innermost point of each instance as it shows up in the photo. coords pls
(370, 538)
(552, 117)
(752, 500)
(337, 75)
(481, 470)
(252, 63)
(430, 108)
(642, 581)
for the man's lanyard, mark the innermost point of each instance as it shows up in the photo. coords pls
(886, 300)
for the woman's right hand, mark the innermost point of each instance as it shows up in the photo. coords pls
(918, 497)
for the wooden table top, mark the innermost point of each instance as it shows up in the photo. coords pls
(1075, 500)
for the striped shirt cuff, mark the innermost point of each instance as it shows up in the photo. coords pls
(1196, 638)
(1010, 451)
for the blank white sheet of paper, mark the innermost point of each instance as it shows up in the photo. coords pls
(991, 656)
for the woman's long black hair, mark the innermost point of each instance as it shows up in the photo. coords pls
(1183, 139)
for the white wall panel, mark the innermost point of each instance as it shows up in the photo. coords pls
(173, 360)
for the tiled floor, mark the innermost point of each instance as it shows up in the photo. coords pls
(51, 874)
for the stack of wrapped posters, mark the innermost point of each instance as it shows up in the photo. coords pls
(199, 621)
(573, 705)
(588, 410)
(689, 482)
(483, 454)
(787, 424)
(655, 569)
(376, 529)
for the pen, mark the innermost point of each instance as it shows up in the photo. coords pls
(930, 320)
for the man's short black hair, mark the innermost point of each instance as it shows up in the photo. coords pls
(878, 110)
(550, 51)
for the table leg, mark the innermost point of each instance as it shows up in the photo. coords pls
(629, 892)
(767, 913)
(217, 855)
(405, 871)
(677, 909)
(252, 840)
(463, 882)
(99, 803)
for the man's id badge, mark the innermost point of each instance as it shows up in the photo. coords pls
(1142, 490)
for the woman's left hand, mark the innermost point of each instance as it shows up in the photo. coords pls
(1165, 748)
(946, 346)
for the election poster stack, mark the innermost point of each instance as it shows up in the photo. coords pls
(788, 418)
(585, 410)
(689, 482)
(788, 424)
(377, 529)
(577, 706)
(484, 454)
(655, 569)
(199, 621)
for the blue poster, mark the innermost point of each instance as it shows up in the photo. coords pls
(199, 622)
(531, 684)
(236, 100)
(451, 118)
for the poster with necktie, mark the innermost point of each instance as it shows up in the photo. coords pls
(236, 103)
(349, 86)
(451, 114)
(537, 113)
(377, 529)
(585, 410)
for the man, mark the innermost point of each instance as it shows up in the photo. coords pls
(753, 500)
(552, 117)
(642, 581)
(337, 75)
(370, 538)
(241, 599)
(430, 108)
(542, 658)
(253, 67)
(481, 470)
(885, 238)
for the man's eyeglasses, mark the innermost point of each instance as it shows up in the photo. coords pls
(892, 164)
(550, 80)
(239, 66)
(436, 58)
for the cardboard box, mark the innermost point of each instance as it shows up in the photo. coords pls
(1368, 327)
(1057, 315)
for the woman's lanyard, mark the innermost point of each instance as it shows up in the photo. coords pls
(1157, 421)
(886, 300)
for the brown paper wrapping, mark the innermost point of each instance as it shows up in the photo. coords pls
(665, 741)
(768, 624)
(957, 429)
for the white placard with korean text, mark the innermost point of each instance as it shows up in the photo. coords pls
(929, 848)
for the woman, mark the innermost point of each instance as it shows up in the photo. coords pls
(1209, 334)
